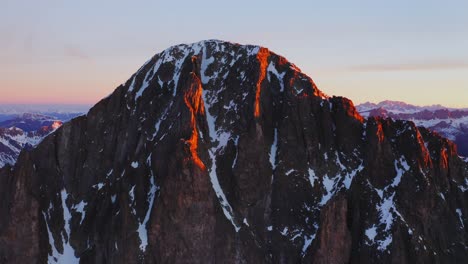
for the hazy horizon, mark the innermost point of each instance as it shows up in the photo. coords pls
(43, 107)
(87, 106)
(83, 107)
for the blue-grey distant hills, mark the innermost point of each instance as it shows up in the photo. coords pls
(451, 123)
(59, 112)
(20, 131)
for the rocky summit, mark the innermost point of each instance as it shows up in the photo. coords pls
(217, 152)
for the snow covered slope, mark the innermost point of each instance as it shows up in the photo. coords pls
(13, 140)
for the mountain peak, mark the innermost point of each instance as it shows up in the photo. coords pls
(217, 60)
(232, 150)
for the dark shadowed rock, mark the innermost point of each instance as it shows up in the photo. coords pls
(216, 152)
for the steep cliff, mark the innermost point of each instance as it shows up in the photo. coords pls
(216, 152)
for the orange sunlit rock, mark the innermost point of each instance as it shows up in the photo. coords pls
(262, 57)
(282, 61)
(56, 125)
(380, 133)
(193, 100)
(425, 151)
(444, 158)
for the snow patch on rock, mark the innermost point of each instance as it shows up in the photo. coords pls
(219, 139)
(312, 177)
(274, 149)
(271, 69)
(68, 253)
(460, 216)
(142, 226)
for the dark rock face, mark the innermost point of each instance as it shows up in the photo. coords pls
(220, 153)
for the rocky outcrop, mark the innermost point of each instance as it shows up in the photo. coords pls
(221, 153)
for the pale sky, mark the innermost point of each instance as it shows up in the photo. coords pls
(77, 52)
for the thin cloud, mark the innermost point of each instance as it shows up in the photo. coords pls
(75, 52)
(412, 66)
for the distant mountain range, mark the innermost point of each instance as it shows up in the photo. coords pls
(30, 122)
(59, 112)
(25, 130)
(451, 123)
